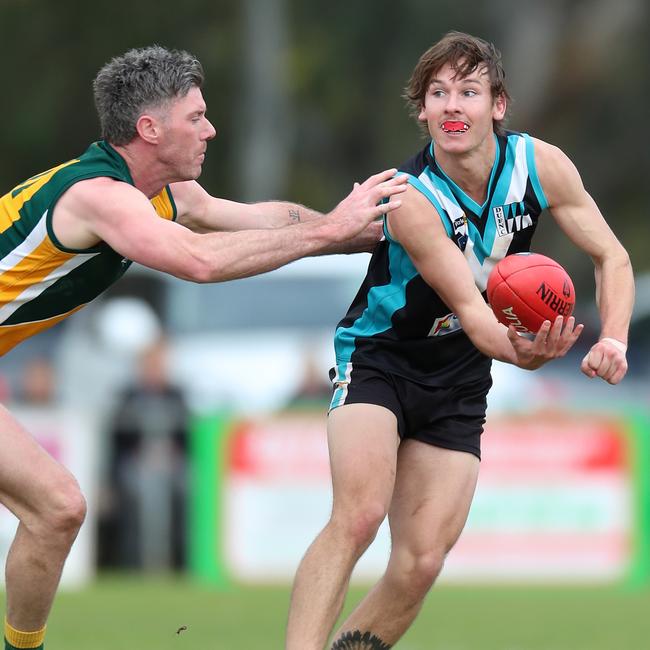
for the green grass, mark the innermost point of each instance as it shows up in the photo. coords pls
(137, 613)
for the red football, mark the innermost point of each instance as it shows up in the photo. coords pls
(525, 289)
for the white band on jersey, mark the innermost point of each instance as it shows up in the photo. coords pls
(616, 343)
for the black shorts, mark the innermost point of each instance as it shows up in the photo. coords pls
(450, 417)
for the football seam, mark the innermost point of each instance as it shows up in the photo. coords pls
(516, 293)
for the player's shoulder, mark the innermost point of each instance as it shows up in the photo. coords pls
(413, 199)
(100, 195)
(557, 173)
(547, 153)
(415, 213)
(98, 187)
(552, 163)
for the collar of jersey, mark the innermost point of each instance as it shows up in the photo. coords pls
(458, 192)
(117, 158)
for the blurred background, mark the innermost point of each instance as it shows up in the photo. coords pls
(194, 416)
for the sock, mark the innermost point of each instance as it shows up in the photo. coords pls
(17, 640)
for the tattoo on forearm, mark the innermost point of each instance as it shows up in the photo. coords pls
(294, 215)
(357, 641)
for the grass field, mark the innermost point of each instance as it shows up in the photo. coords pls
(137, 613)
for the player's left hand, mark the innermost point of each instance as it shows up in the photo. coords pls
(551, 342)
(606, 360)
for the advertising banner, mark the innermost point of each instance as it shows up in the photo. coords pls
(559, 499)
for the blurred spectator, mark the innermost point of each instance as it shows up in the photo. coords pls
(314, 390)
(145, 523)
(37, 384)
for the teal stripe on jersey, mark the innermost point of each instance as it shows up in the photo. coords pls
(383, 302)
(532, 172)
(499, 198)
(419, 185)
(480, 251)
(336, 397)
(443, 188)
(341, 390)
(505, 178)
(472, 231)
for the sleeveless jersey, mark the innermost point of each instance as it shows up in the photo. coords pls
(42, 281)
(397, 322)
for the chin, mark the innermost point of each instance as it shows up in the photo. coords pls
(454, 146)
(191, 174)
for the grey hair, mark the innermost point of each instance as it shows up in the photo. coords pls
(138, 80)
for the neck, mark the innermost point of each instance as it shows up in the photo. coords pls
(470, 170)
(147, 173)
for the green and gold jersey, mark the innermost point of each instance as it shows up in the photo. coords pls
(41, 281)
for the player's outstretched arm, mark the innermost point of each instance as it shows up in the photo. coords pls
(122, 216)
(204, 213)
(579, 217)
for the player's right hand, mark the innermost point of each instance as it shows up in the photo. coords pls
(364, 204)
(551, 342)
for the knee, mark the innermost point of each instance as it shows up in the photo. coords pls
(415, 572)
(427, 568)
(65, 508)
(359, 525)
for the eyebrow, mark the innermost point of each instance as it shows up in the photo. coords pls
(462, 80)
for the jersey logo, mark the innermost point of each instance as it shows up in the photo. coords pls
(460, 231)
(510, 218)
(445, 325)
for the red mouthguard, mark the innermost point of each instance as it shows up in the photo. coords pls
(450, 125)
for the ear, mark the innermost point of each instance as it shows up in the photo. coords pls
(148, 128)
(422, 116)
(499, 108)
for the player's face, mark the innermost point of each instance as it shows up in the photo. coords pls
(459, 110)
(185, 134)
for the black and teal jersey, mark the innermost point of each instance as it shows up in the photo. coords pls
(42, 281)
(397, 322)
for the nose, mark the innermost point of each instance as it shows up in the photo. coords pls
(211, 131)
(452, 103)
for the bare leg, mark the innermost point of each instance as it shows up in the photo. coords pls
(433, 492)
(47, 501)
(363, 446)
